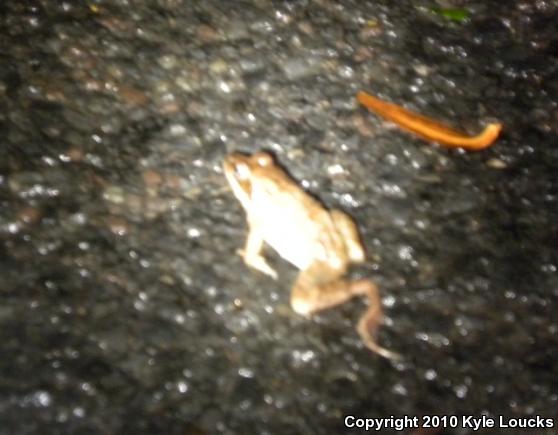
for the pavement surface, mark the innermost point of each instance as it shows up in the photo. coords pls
(124, 307)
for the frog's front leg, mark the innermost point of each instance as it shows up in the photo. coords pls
(252, 253)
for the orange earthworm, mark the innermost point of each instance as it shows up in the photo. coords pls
(428, 128)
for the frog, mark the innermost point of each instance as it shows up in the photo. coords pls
(322, 243)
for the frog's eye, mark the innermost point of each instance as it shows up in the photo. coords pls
(263, 159)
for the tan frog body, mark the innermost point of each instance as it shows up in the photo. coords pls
(320, 242)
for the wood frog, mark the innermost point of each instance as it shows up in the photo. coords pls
(320, 242)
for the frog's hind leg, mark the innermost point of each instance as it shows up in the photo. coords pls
(319, 288)
(347, 227)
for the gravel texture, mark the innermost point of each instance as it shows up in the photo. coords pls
(125, 309)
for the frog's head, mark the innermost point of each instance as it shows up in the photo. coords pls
(239, 170)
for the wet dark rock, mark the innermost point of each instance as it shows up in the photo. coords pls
(299, 68)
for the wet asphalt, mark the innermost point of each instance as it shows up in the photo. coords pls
(124, 307)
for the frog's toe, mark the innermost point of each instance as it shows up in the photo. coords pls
(367, 334)
(259, 263)
(269, 271)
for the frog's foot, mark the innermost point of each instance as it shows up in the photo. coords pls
(258, 262)
(367, 331)
(372, 318)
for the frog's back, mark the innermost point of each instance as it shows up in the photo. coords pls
(293, 223)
